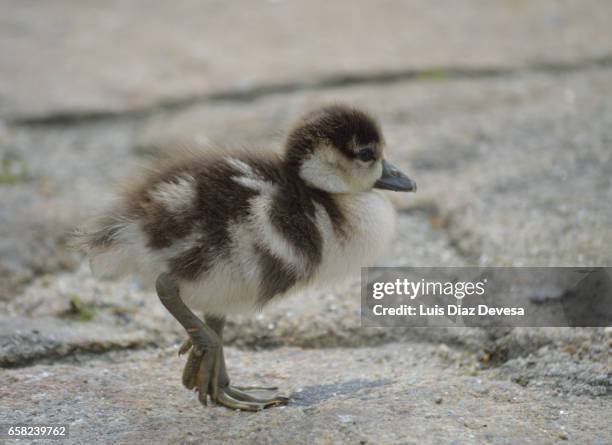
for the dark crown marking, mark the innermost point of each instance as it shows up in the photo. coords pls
(344, 128)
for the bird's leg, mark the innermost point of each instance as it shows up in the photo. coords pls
(219, 389)
(205, 342)
(234, 396)
(205, 368)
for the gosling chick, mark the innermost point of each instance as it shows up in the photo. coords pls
(223, 233)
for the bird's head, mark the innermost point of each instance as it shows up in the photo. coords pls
(339, 149)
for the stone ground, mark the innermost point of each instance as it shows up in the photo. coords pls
(501, 111)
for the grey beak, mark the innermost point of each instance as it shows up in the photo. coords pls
(393, 179)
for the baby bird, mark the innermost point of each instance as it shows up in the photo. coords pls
(227, 232)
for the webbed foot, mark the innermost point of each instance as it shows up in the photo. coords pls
(205, 372)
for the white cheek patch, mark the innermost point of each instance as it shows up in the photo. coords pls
(177, 195)
(331, 171)
(323, 170)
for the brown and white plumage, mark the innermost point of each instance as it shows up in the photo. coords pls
(237, 229)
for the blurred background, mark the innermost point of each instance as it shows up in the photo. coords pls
(501, 110)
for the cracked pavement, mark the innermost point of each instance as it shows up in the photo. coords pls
(506, 128)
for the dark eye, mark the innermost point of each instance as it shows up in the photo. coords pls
(365, 154)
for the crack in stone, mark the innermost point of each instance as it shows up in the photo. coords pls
(67, 353)
(322, 83)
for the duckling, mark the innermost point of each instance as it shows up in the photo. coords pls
(222, 233)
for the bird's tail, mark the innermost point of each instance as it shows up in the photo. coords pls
(108, 244)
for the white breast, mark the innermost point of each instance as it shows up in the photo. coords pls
(370, 229)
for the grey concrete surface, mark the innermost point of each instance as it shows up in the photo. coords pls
(67, 57)
(501, 111)
(399, 393)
